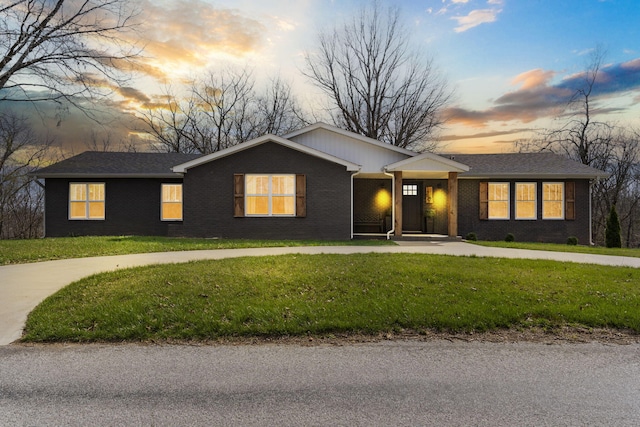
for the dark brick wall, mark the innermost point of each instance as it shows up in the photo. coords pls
(132, 208)
(551, 231)
(208, 197)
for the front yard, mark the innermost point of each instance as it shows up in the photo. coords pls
(317, 295)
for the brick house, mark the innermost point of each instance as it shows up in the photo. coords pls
(319, 182)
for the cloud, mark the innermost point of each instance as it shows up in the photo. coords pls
(475, 18)
(538, 97)
(185, 34)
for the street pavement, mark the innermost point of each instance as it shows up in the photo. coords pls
(24, 286)
(398, 383)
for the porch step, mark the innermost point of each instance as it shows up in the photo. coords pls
(426, 238)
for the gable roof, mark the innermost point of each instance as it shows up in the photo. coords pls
(357, 136)
(99, 164)
(182, 168)
(428, 162)
(521, 165)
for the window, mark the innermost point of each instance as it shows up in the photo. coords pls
(171, 209)
(410, 189)
(270, 195)
(86, 200)
(552, 200)
(526, 200)
(498, 200)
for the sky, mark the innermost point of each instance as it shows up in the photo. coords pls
(509, 61)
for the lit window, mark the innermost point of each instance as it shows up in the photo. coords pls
(499, 200)
(86, 200)
(526, 200)
(553, 200)
(410, 189)
(171, 202)
(270, 195)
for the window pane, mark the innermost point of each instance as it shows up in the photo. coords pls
(96, 210)
(283, 205)
(499, 209)
(282, 184)
(552, 210)
(257, 205)
(172, 211)
(526, 210)
(77, 192)
(410, 190)
(172, 192)
(96, 191)
(78, 210)
(257, 184)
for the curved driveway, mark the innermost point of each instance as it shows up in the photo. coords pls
(24, 286)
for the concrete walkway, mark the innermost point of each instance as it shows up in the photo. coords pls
(24, 286)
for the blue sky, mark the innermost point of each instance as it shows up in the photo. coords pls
(508, 59)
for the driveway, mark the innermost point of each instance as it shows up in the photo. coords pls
(24, 286)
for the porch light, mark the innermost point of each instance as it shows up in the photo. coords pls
(439, 199)
(383, 200)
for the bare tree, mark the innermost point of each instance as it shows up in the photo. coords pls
(376, 84)
(221, 110)
(62, 49)
(600, 144)
(20, 197)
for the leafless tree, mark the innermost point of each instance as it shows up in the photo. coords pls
(221, 110)
(600, 144)
(63, 49)
(377, 85)
(21, 152)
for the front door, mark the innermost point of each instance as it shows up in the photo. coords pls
(411, 207)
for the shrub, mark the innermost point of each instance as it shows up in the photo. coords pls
(510, 238)
(572, 240)
(471, 236)
(612, 231)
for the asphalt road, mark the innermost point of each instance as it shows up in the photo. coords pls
(390, 383)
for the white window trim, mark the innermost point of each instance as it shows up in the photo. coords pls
(162, 202)
(269, 195)
(499, 218)
(87, 201)
(562, 201)
(535, 202)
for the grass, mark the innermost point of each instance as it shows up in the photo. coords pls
(556, 247)
(297, 295)
(34, 250)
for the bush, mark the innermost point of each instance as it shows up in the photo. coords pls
(471, 236)
(612, 231)
(572, 240)
(510, 238)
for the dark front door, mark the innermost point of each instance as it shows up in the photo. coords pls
(411, 206)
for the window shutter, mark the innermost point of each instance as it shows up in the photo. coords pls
(484, 200)
(238, 195)
(570, 200)
(301, 196)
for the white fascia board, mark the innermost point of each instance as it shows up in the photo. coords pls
(182, 168)
(448, 165)
(321, 125)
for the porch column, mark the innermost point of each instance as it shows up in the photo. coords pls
(452, 204)
(397, 224)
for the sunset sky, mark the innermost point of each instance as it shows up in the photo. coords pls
(510, 61)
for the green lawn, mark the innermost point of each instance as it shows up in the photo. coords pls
(22, 251)
(297, 295)
(555, 247)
